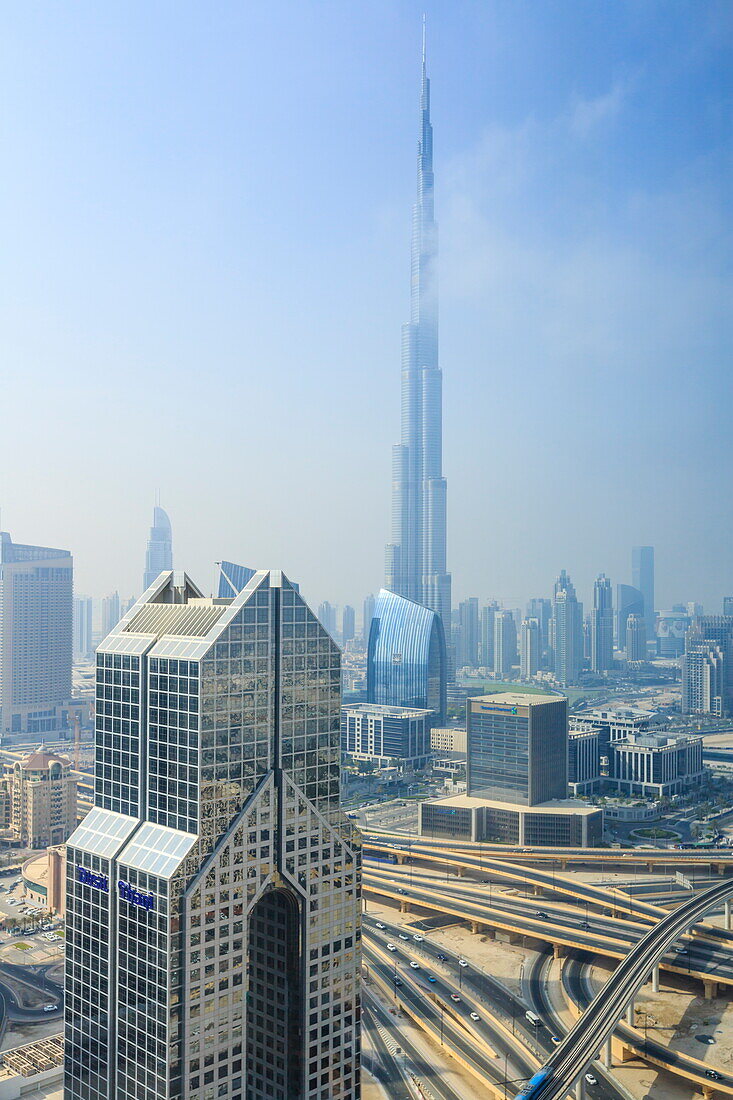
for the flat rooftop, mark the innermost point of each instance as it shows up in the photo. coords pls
(558, 806)
(517, 699)
(385, 711)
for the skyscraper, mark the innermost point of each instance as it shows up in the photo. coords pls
(635, 638)
(367, 616)
(488, 614)
(159, 555)
(110, 612)
(213, 892)
(707, 667)
(642, 569)
(540, 609)
(348, 624)
(36, 637)
(327, 615)
(83, 615)
(629, 601)
(407, 662)
(530, 646)
(601, 621)
(505, 644)
(566, 631)
(416, 556)
(468, 635)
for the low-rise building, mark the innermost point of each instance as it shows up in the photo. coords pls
(387, 736)
(447, 739)
(656, 764)
(44, 880)
(584, 761)
(562, 823)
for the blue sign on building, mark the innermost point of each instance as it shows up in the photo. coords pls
(89, 878)
(129, 893)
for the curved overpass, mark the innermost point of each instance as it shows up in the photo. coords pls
(597, 1023)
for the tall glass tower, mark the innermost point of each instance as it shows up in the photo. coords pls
(159, 556)
(213, 891)
(416, 556)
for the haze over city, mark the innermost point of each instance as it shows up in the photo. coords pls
(205, 266)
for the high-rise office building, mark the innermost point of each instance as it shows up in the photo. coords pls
(416, 556)
(348, 624)
(728, 605)
(707, 666)
(601, 621)
(36, 637)
(540, 609)
(387, 736)
(213, 908)
(159, 554)
(486, 654)
(517, 747)
(233, 578)
(367, 616)
(407, 663)
(83, 620)
(629, 601)
(530, 648)
(566, 631)
(505, 644)
(635, 638)
(468, 633)
(110, 613)
(642, 570)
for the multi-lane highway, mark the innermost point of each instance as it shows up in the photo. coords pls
(552, 922)
(597, 1023)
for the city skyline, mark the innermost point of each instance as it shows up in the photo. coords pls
(582, 206)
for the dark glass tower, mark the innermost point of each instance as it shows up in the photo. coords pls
(416, 557)
(213, 891)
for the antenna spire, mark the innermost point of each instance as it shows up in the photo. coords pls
(424, 40)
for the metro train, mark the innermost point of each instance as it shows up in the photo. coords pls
(532, 1088)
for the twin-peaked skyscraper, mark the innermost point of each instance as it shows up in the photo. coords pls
(416, 556)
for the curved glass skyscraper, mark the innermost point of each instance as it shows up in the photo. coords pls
(416, 556)
(407, 665)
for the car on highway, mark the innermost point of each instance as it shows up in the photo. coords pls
(462, 962)
(379, 925)
(440, 958)
(391, 947)
(475, 1016)
(712, 1074)
(414, 965)
(432, 978)
(456, 998)
(49, 1008)
(590, 1079)
(403, 936)
(542, 914)
(397, 981)
(585, 924)
(418, 939)
(555, 1039)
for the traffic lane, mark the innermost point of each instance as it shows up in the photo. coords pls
(583, 993)
(37, 978)
(705, 958)
(427, 1071)
(385, 1068)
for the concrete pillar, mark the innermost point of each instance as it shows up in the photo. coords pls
(558, 951)
(711, 989)
(404, 906)
(728, 915)
(655, 979)
(537, 890)
(630, 1018)
(580, 1088)
(608, 1052)
(476, 927)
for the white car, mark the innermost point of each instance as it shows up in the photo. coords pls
(49, 1008)
(590, 1079)
(462, 962)
(379, 925)
(414, 965)
(475, 1016)
(418, 939)
(391, 947)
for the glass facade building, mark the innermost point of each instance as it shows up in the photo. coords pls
(416, 564)
(517, 748)
(389, 736)
(159, 555)
(406, 663)
(213, 892)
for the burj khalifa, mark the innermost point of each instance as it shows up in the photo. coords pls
(416, 555)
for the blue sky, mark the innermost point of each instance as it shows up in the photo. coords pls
(205, 267)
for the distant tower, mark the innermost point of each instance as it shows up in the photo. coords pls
(505, 644)
(635, 639)
(642, 569)
(367, 616)
(327, 617)
(530, 648)
(416, 556)
(601, 659)
(566, 631)
(159, 556)
(348, 624)
(468, 637)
